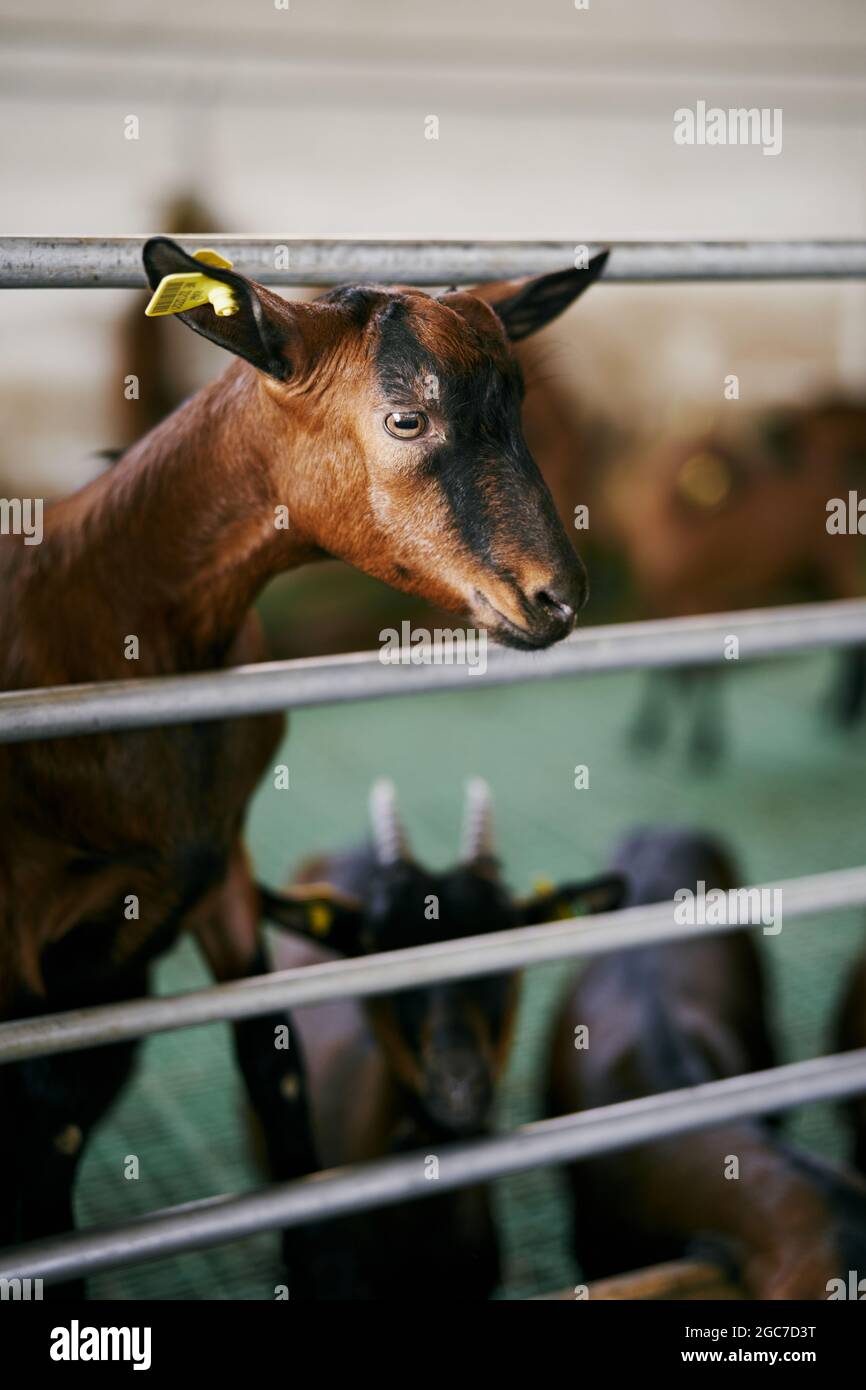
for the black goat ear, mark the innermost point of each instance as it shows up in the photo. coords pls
(259, 330)
(603, 894)
(317, 911)
(524, 306)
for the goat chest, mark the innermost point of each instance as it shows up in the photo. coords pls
(129, 832)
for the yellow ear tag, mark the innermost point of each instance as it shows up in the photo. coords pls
(320, 918)
(543, 886)
(176, 294)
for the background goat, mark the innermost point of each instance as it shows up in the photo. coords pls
(413, 1070)
(678, 1014)
(713, 523)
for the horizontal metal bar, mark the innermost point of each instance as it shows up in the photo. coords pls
(496, 952)
(386, 1181)
(28, 262)
(90, 708)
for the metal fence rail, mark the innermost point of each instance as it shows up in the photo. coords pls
(135, 704)
(389, 971)
(383, 1182)
(115, 262)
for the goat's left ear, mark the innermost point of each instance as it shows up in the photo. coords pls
(524, 306)
(258, 329)
(602, 894)
(317, 911)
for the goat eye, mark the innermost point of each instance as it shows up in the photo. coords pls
(406, 424)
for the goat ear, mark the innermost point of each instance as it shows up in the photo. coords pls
(524, 306)
(602, 894)
(257, 331)
(317, 911)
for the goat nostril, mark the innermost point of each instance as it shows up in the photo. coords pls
(556, 607)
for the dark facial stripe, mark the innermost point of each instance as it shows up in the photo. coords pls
(492, 486)
(487, 476)
(401, 361)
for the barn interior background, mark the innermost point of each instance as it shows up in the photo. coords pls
(554, 123)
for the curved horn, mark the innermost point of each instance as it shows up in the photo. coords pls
(477, 822)
(389, 838)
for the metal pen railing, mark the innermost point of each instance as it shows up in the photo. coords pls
(115, 262)
(323, 1196)
(391, 971)
(98, 707)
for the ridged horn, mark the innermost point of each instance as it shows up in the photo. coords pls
(477, 836)
(389, 838)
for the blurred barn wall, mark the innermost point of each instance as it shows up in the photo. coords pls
(554, 123)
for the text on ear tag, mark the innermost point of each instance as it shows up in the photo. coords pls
(176, 294)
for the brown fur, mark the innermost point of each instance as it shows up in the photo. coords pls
(172, 545)
(557, 433)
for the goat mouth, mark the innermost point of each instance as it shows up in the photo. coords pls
(457, 1118)
(509, 633)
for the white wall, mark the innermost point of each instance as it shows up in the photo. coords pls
(554, 123)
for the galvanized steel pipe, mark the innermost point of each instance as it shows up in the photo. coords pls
(395, 970)
(322, 1196)
(97, 707)
(31, 262)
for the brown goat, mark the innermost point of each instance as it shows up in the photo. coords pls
(564, 442)
(678, 1014)
(385, 425)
